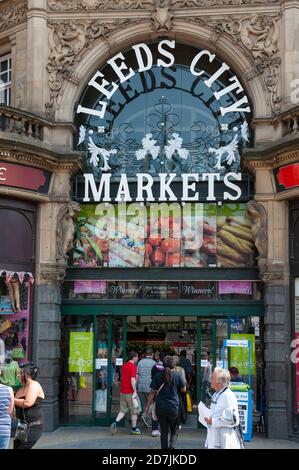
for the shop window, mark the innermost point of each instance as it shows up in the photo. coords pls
(15, 290)
(5, 80)
(13, 248)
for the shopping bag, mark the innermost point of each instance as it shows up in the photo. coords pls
(101, 400)
(189, 402)
(82, 381)
(137, 404)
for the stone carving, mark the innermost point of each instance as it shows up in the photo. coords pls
(162, 19)
(68, 41)
(259, 35)
(65, 229)
(12, 15)
(257, 214)
(72, 5)
(52, 278)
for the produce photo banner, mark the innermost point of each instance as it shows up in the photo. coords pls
(163, 235)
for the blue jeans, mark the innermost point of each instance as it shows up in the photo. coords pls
(4, 442)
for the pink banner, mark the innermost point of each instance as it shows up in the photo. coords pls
(90, 287)
(235, 287)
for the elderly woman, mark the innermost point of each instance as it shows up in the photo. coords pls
(223, 431)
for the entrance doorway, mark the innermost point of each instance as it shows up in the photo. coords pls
(94, 347)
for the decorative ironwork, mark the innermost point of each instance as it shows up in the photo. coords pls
(213, 148)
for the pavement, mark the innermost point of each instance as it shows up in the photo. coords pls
(79, 437)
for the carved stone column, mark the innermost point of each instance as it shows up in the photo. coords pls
(46, 341)
(277, 340)
(271, 238)
(54, 239)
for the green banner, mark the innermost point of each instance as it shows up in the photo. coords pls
(81, 352)
(239, 356)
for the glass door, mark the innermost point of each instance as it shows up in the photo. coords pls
(207, 357)
(109, 358)
(76, 370)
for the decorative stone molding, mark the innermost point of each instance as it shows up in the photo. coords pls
(258, 35)
(52, 278)
(218, 3)
(73, 5)
(257, 214)
(68, 41)
(65, 230)
(13, 14)
(162, 19)
(274, 159)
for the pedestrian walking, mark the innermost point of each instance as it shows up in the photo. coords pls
(144, 370)
(28, 402)
(6, 411)
(128, 394)
(223, 428)
(187, 366)
(206, 379)
(182, 410)
(165, 386)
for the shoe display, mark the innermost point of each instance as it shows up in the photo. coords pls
(144, 419)
(136, 432)
(113, 428)
(156, 433)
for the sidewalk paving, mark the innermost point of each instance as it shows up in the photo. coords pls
(100, 438)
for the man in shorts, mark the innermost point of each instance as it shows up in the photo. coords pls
(127, 393)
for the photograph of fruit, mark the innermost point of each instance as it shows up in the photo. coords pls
(235, 246)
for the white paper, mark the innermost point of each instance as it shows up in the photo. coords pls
(119, 361)
(203, 412)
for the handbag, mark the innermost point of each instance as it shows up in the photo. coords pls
(19, 429)
(189, 402)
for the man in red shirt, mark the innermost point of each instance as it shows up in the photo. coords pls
(128, 393)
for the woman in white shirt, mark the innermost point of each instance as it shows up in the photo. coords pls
(223, 430)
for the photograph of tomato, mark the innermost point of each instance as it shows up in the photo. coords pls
(164, 252)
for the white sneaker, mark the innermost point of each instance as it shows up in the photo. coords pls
(156, 433)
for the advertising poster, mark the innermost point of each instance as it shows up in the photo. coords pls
(81, 352)
(239, 356)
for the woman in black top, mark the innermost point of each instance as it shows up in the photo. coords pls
(165, 386)
(28, 403)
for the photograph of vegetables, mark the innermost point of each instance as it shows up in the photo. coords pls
(224, 239)
(235, 246)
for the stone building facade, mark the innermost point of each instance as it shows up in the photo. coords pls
(55, 47)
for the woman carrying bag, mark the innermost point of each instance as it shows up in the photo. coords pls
(28, 403)
(166, 386)
(223, 426)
